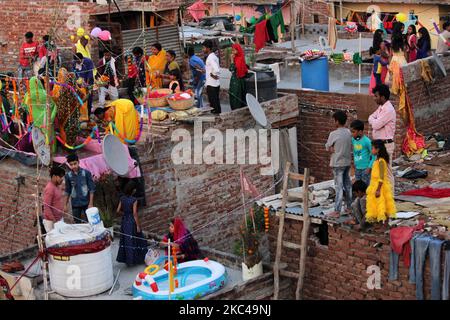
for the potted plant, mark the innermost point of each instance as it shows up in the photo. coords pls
(106, 200)
(248, 246)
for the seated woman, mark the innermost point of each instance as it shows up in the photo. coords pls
(124, 116)
(172, 68)
(180, 237)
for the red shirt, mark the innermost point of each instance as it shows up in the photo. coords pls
(27, 50)
(53, 202)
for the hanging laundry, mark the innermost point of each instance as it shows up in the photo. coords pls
(261, 35)
(277, 20)
(197, 10)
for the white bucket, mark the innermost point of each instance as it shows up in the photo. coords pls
(93, 216)
(250, 273)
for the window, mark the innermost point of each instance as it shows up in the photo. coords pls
(316, 18)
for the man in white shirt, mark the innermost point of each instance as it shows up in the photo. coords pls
(212, 77)
(442, 46)
(383, 122)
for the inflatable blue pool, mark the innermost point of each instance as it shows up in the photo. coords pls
(194, 280)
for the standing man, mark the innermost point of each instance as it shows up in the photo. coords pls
(84, 69)
(198, 75)
(80, 188)
(383, 122)
(28, 54)
(442, 47)
(53, 199)
(107, 71)
(212, 77)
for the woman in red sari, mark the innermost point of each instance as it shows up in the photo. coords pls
(180, 238)
(239, 72)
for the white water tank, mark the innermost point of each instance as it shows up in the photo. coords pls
(79, 275)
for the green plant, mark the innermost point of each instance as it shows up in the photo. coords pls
(106, 199)
(251, 232)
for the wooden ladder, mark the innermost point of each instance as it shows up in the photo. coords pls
(277, 269)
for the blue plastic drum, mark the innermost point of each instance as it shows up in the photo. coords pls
(315, 74)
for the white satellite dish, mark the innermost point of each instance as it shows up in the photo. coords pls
(256, 110)
(40, 147)
(115, 154)
(440, 64)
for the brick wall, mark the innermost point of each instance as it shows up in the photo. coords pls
(201, 194)
(339, 270)
(19, 17)
(19, 232)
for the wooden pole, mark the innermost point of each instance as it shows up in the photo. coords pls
(303, 17)
(293, 11)
(359, 70)
(169, 264)
(341, 12)
(182, 28)
(39, 237)
(215, 8)
(305, 235)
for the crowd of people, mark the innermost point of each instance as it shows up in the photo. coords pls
(374, 185)
(402, 49)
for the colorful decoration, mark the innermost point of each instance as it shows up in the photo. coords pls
(96, 32)
(237, 18)
(351, 27)
(80, 32)
(65, 85)
(401, 17)
(93, 134)
(105, 35)
(252, 20)
(266, 219)
(436, 27)
(113, 128)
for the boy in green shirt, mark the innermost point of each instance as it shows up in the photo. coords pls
(362, 152)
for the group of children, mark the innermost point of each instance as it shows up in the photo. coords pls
(372, 189)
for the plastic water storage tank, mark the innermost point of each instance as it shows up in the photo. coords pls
(315, 74)
(266, 82)
(79, 275)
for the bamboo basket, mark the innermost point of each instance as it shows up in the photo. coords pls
(181, 105)
(159, 102)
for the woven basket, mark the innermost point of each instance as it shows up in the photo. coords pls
(159, 102)
(181, 105)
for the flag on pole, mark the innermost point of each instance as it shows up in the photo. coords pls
(248, 187)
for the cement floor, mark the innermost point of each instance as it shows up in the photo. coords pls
(122, 290)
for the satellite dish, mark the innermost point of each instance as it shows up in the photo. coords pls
(440, 64)
(256, 110)
(115, 154)
(40, 147)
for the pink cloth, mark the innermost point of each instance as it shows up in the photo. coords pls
(53, 202)
(97, 165)
(197, 10)
(383, 122)
(400, 238)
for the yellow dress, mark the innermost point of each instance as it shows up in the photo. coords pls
(126, 119)
(379, 209)
(157, 63)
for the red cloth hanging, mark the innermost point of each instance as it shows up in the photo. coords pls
(429, 193)
(261, 35)
(400, 238)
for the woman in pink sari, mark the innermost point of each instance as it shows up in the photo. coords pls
(182, 240)
(411, 49)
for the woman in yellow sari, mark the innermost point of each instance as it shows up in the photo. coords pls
(156, 65)
(124, 116)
